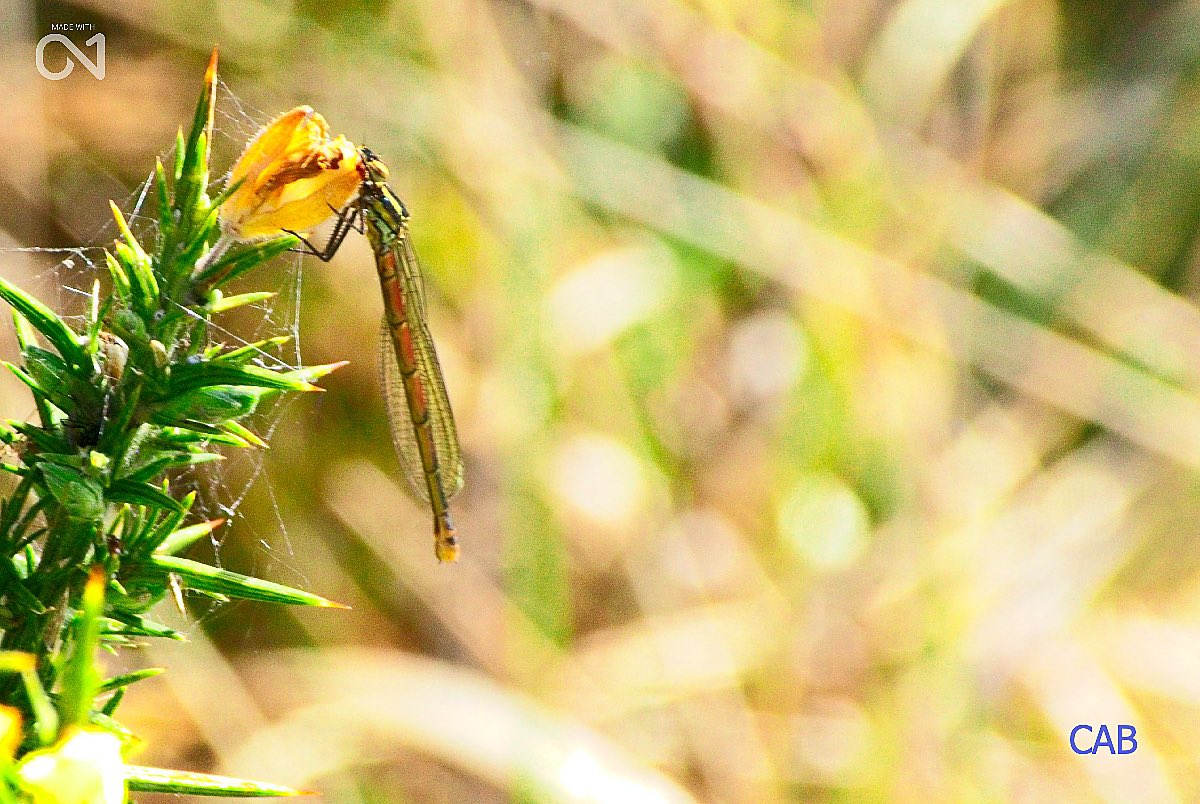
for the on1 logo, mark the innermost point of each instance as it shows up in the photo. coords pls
(96, 67)
(1085, 740)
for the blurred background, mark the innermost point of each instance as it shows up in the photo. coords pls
(828, 373)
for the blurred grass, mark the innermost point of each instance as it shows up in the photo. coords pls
(826, 374)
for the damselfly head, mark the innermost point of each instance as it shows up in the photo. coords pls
(376, 171)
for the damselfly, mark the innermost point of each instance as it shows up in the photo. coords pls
(419, 414)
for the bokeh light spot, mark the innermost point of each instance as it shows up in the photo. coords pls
(824, 522)
(605, 295)
(598, 478)
(767, 355)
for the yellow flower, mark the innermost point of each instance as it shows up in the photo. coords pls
(10, 733)
(292, 176)
(85, 767)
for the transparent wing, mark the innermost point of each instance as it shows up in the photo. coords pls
(441, 416)
(414, 281)
(441, 419)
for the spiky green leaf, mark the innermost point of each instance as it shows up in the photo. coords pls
(181, 539)
(47, 322)
(80, 678)
(196, 575)
(135, 625)
(138, 493)
(79, 495)
(190, 376)
(240, 260)
(250, 351)
(124, 680)
(233, 302)
(159, 780)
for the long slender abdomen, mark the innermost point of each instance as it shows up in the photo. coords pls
(419, 453)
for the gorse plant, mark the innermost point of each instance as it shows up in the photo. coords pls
(90, 535)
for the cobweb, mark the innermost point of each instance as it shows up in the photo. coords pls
(221, 486)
